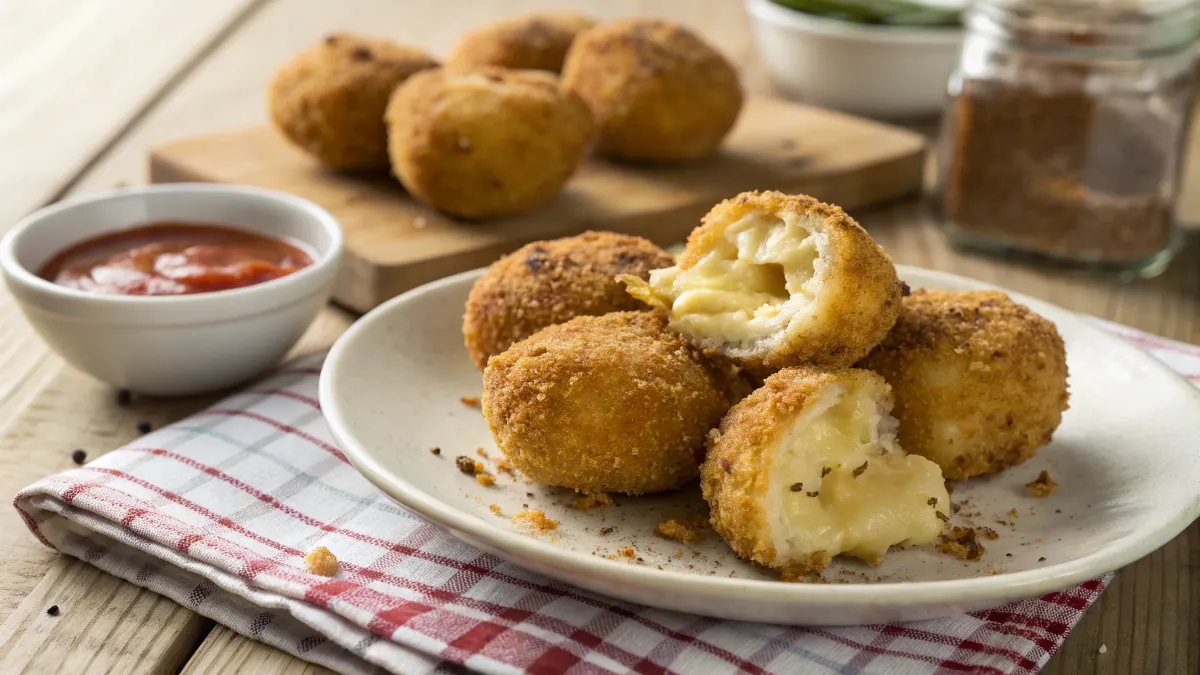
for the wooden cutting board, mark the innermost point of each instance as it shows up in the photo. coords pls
(394, 243)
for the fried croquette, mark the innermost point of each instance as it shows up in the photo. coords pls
(659, 92)
(529, 42)
(774, 280)
(807, 467)
(488, 142)
(329, 99)
(549, 282)
(612, 403)
(980, 381)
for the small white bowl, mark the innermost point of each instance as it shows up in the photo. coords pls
(173, 345)
(878, 71)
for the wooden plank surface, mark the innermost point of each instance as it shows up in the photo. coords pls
(395, 243)
(74, 75)
(1146, 620)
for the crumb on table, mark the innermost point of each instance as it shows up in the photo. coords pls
(503, 466)
(79, 457)
(676, 531)
(436, 450)
(485, 479)
(495, 508)
(591, 501)
(534, 521)
(605, 531)
(482, 453)
(321, 561)
(962, 543)
(1043, 485)
(472, 401)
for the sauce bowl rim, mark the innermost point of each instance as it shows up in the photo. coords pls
(17, 273)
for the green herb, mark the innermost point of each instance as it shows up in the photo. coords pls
(878, 12)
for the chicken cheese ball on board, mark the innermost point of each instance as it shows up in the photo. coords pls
(807, 467)
(980, 381)
(774, 280)
(658, 91)
(529, 42)
(329, 99)
(612, 403)
(486, 142)
(549, 282)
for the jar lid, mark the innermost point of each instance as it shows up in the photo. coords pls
(1131, 26)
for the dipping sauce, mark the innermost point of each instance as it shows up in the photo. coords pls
(174, 258)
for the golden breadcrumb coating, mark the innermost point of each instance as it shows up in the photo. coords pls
(774, 280)
(612, 403)
(980, 381)
(322, 562)
(329, 99)
(486, 142)
(528, 42)
(806, 468)
(658, 91)
(549, 282)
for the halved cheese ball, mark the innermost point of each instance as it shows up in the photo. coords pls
(807, 468)
(774, 280)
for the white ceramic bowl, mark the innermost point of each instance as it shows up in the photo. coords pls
(173, 345)
(879, 71)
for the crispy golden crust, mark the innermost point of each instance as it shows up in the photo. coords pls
(532, 41)
(611, 403)
(980, 381)
(329, 99)
(736, 472)
(549, 282)
(487, 142)
(658, 91)
(860, 294)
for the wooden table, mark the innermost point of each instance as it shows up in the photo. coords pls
(87, 87)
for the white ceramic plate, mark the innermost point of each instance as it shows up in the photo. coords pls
(1127, 457)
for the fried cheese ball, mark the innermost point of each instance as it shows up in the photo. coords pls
(659, 92)
(980, 381)
(549, 282)
(774, 280)
(612, 403)
(487, 142)
(529, 42)
(807, 467)
(329, 99)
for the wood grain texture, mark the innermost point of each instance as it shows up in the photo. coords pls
(1147, 619)
(395, 243)
(74, 75)
(103, 625)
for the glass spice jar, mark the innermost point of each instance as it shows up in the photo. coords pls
(1064, 133)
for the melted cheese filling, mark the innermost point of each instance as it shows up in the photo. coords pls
(887, 503)
(761, 274)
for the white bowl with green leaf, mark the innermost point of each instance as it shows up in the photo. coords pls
(881, 58)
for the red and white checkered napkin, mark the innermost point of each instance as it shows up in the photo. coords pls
(216, 512)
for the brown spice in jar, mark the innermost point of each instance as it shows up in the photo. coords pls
(1058, 172)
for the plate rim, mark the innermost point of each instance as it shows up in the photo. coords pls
(978, 590)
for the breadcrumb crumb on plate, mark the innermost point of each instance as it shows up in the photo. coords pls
(390, 392)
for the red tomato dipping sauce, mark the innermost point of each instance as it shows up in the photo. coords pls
(172, 258)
